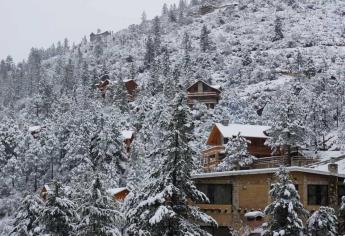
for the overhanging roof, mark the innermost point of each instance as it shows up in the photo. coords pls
(249, 131)
(264, 171)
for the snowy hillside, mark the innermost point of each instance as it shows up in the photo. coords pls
(278, 63)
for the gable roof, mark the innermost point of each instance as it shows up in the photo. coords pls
(264, 171)
(114, 191)
(216, 87)
(249, 131)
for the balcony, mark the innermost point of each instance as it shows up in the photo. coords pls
(214, 150)
(202, 94)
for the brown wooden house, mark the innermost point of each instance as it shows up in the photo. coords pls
(128, 136)
(220, 135)
(132, 88)
(105, 83)
(233, 194)
(118, 194)
(204, 93)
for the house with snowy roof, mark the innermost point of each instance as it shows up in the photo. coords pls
(128, 136)
(105, 83)
(203, 92)
(118, 194)
(99, 36)
(220, 135)
(234, 194)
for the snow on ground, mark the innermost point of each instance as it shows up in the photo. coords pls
(266, 85)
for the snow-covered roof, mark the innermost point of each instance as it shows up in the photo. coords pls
(127, 134)
(254, 214)
(34, 128)
(264, 171)
(113, 191)
(217, 87)
(250, 131)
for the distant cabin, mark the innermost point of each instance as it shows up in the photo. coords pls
(204, 93)
(222, 133)
(100, 36)
(35, 130)
(105, 83)
(131, 86)
(128, 136)
(118, 194)
(45, 191)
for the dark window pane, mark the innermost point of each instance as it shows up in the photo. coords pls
(217, 193)
(318, 195)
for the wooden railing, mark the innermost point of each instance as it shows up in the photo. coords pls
(201, 94)
(213, 150)
(276, 161)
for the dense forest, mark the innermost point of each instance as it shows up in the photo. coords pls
(279, 63)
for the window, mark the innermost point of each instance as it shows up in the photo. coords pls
(226, 140)
(318, 195)
(217, 193)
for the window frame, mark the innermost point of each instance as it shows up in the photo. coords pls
(316, 191)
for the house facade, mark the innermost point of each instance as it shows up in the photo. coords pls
(233, 194)
(203, 93)
(222, 133)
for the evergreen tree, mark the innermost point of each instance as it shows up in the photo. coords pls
(278, 31)
(237, 155)
(163, 206)
(285, 210)
(205, 44)
(59, 214)
(341, 217)
(149, 53)
(26, 221)
(165, 62)
(106, 151)
(99, 214)
(187, 48)
(287, 129)
(322, 222)
(156, 31)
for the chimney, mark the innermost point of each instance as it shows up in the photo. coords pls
(333, 167)
(225, 122)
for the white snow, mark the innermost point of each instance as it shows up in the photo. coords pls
(34, 128)
(113, 191)
(127, 134)
(253, 214)
(252, 131)
(264, 171)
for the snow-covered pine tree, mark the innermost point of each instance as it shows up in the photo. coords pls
(322, 222)
(278, 31)
(163, 206)
(99, 214)
(26, 222)
(341, 214)
(59, 214)
(205, 43)
(287, 128)
(285, 211)
(237, 154)
(106, 151)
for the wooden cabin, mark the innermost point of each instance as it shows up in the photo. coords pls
(128, 136)
(132, 88)
(118, 194)
(45, 191)
(220, 135)
(35, 130)
(204, 93)
(105, 83)
(232, 194)
(100, 36)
